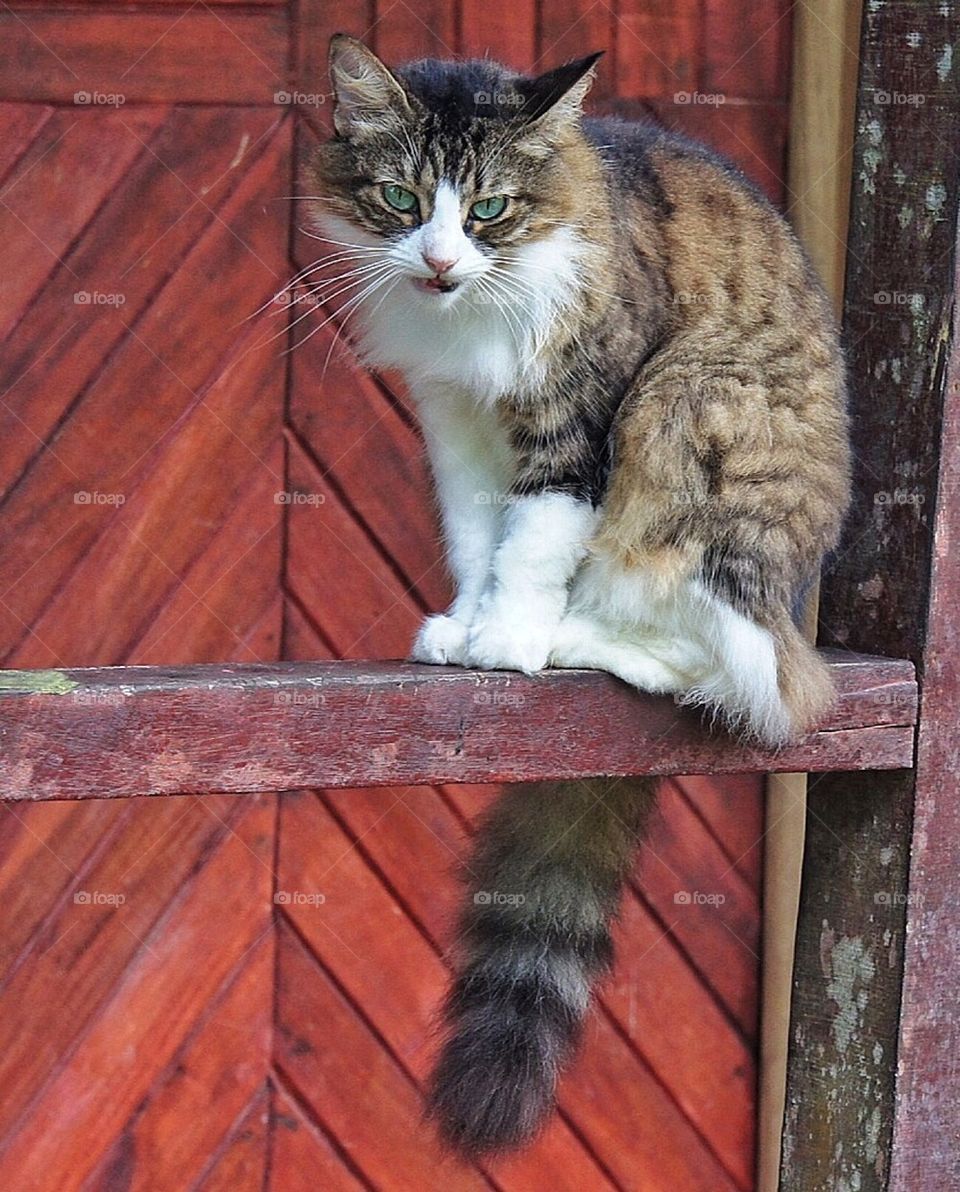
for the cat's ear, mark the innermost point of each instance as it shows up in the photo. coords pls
(554, 101)
(367, 97)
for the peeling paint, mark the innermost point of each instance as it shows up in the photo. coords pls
(44, 682)
(904, 216)
(945, 62)
(872, 155)
(852, 970)
(935, 198)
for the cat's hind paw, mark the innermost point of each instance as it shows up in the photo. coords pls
(440, 640)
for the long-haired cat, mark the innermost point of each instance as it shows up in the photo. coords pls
(632, 396)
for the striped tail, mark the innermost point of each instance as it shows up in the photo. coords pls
(545, 879)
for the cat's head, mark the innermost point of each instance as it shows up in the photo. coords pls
(450, 170)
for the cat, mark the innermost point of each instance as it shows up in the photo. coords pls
(632, 395)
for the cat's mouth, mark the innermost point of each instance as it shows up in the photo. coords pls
(436, 285)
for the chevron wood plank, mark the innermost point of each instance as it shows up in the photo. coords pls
(302, 1157)
(210, 1082)
(356, 1089)
(138, 237)
(178, 966)
(94, 150)
(196, 55)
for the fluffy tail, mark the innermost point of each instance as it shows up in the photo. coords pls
(545, 880)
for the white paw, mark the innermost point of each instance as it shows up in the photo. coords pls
(440, 639)
(500, 644)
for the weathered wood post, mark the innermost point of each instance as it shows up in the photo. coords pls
(878, 955)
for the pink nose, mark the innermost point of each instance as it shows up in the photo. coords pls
(440, 264)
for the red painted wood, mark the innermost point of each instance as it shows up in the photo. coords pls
(302, 1157)
(658, 49)
(95, 150)
(114, 733)
(571, 28)
(173, 191)
(749, 55)
(115, 1059)
(202, 57)
(170, 1138)
(484, 32)
(388, 1139)
(162, 202)
(928, 1078)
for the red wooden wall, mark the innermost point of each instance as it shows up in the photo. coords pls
(237, 993)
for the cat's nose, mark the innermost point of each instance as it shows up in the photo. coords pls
(439, 264)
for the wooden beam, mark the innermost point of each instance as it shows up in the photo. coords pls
(862, 844)
(122, 731)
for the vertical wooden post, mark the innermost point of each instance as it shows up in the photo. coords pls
(822, 101)
(883, 592)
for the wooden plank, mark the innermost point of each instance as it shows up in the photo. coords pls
(749, 48)
(484, 33)
(404, 32)
(356, 1089)
(345, 436)
(94, 149)
(926, 1146)
(120, 435)
(900, 291)
(174, 959)
(169, 1141)
(162, 202)
(110, 732)
(302, 1158)
(711, 912)
(659, 44)
(571, 28)
(154, 57)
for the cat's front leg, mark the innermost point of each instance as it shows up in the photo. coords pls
(469, 458)
(544, 540)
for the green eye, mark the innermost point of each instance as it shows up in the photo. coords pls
(489, 208)
(399, 198)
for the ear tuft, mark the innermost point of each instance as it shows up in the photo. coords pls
(368, 97)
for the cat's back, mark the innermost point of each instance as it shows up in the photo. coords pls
(728, 254)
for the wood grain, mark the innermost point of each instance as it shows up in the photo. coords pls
(113, 733)
(876, 593)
